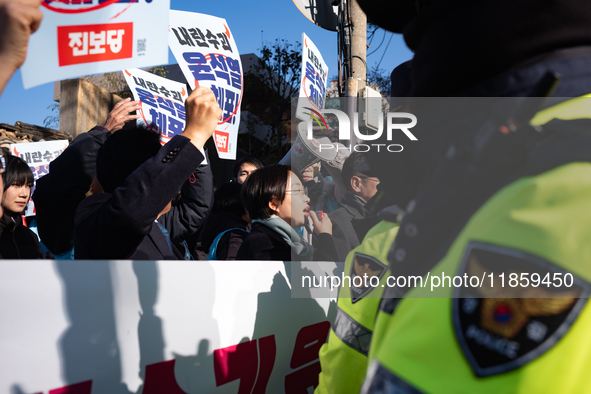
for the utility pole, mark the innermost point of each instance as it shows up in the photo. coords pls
(358, 21)
(357, 66)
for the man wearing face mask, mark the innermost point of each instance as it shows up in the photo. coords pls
(504, 190)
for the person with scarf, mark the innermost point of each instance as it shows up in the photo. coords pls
(353, 220)
(276, 200)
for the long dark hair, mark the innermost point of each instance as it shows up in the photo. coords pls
(17, 172)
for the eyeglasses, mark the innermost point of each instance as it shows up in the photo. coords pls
(374, 179)
(2, 163)
(298, 191)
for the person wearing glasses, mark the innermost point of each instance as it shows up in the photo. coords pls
(352, 220)
(16, 240)
(276, 200)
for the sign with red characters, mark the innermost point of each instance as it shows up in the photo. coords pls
(313, 84)
(159, 327)
(162, 102)
(221, 141)
(85, 37)
(94, 43)
(207, 55)
(38, 155)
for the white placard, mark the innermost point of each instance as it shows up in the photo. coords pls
(206, 52)
(38, 155)
(162, 102)
(154, 327)
(313, 86)
(86, 37)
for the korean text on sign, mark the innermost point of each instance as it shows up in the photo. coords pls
(313, 83)
(85, 37)
(92, 43)
(222, 70)
(38, 155)
(162, 102)
(207, 55)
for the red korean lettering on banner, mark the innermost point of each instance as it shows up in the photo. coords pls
(93, 43)
(221, 141)
(160, 379)
(251, 362)
(308, 343)
(78, 388)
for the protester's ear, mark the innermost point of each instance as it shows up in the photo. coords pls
(274, 204)
(356, 183)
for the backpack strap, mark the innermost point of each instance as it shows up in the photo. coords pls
(212, 255)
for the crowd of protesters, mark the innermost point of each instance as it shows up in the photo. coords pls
(116, 193)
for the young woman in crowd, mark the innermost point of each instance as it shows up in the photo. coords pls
(16, 240)
(275, 198)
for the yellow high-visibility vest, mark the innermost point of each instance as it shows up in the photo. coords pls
(344, 357)
(471, 341)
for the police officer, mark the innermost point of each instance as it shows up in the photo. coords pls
(344, 358)
(507, 191)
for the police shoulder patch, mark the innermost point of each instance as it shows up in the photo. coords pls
(508, 320)
(366, 272)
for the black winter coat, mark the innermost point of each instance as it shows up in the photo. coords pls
(263, 243)
(122, 225)
(17, 241)
(350, 223)
(187, 214)
(58, 193)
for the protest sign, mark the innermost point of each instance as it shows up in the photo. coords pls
(153, 327)
(38, 155)
(162, 102)
(313, 86)
(207, 55)
(86, 37)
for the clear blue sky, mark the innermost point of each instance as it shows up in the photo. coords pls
(279, 19)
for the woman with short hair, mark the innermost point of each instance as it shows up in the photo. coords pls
(275, 198)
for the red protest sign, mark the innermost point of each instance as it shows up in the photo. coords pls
(221, 141)
(91, 43)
